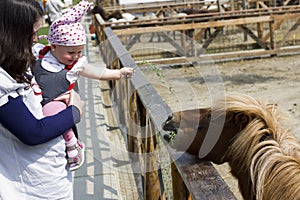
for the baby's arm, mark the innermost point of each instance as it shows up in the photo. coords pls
(106, 74)
(100, 73)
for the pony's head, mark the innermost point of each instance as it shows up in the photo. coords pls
(248, 134)
(99, 10)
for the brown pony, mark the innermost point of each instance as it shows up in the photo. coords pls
(248, 134)
(106, 16)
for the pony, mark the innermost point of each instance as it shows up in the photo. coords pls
(112, 16)
(251, 135)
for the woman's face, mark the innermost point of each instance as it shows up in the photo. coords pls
(36, 28)
(67, 54)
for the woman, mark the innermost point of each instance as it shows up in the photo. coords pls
(32, 162)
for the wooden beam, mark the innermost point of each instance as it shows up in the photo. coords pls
(179, 189)
(289, 32)
(100, 19)
(177, 27)
(254, 37)
(209, 40)
(276, 26)
(220, 57)
(132, 41)
(180, 50)
(152, 187)
(202, 179)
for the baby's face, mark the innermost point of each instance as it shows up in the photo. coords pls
(67, 54)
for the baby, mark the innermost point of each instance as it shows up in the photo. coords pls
(59, 66)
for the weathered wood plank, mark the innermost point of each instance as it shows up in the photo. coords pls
(127, 184)
(180, 191)
(253, 36)
(201, 179)
(225, 56)
(176, 27)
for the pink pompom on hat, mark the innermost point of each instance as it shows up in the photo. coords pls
(67, 30)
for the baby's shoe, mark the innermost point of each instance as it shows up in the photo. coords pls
(76, 161)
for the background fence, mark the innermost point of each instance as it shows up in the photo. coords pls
(236, 34)
(164, 173)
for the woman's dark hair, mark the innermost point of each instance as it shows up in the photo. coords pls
(17, 18)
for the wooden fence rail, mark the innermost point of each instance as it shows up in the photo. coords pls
(141, 111)
(235, 35)
(164, 173)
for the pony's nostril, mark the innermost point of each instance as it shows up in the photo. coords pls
(167, 137)
(165, 123)
(170, 117)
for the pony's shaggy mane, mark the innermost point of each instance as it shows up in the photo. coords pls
(265, 150)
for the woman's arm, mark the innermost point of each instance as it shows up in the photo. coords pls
(16, 117)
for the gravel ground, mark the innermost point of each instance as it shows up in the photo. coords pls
(276, 79)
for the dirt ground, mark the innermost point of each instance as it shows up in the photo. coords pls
(276, 79)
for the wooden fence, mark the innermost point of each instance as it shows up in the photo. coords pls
(201, 4)
(263, 31)
(237, 34)
(164, 173)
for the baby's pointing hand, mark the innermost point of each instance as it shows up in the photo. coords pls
(126, 72)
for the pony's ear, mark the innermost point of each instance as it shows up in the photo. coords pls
(242, 119)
